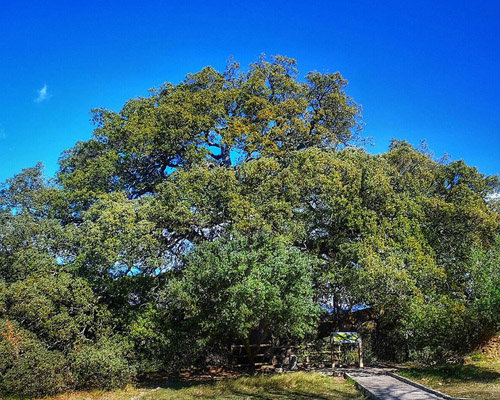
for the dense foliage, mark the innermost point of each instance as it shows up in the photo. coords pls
(231, 207)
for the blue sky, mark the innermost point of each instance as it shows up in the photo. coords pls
(421, 69)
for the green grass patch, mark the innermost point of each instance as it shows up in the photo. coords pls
(475, 379)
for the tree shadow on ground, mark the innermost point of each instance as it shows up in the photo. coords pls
(169, 383)
(182, 381)
(462, 373)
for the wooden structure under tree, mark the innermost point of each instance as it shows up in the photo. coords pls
(273, 355)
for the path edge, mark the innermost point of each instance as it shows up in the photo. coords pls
(425, 388)
(361, 388)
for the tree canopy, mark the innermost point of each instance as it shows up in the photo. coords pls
(213, 117)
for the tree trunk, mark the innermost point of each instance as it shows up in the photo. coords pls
(259, 335)
(226, 156)
(250, 354)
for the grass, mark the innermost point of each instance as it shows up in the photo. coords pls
(291, 386)
(477, 378)
(125, 394)
(296, 386)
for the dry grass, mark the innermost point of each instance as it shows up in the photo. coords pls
(125, 394)
(293, 386)
(478, 379)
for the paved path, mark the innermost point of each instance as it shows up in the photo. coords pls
(385, 387)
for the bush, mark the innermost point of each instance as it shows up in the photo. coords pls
(38, 372)
(28, 369)
(9, 345)
(101, 366)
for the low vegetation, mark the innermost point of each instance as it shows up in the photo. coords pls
(478, 379)
(294, 386)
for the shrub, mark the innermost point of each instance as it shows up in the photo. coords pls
(102, 366)
(38, 372)
(10, 343)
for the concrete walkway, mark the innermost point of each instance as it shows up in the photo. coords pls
(385, 387)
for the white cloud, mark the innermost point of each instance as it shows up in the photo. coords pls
(42, 94)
